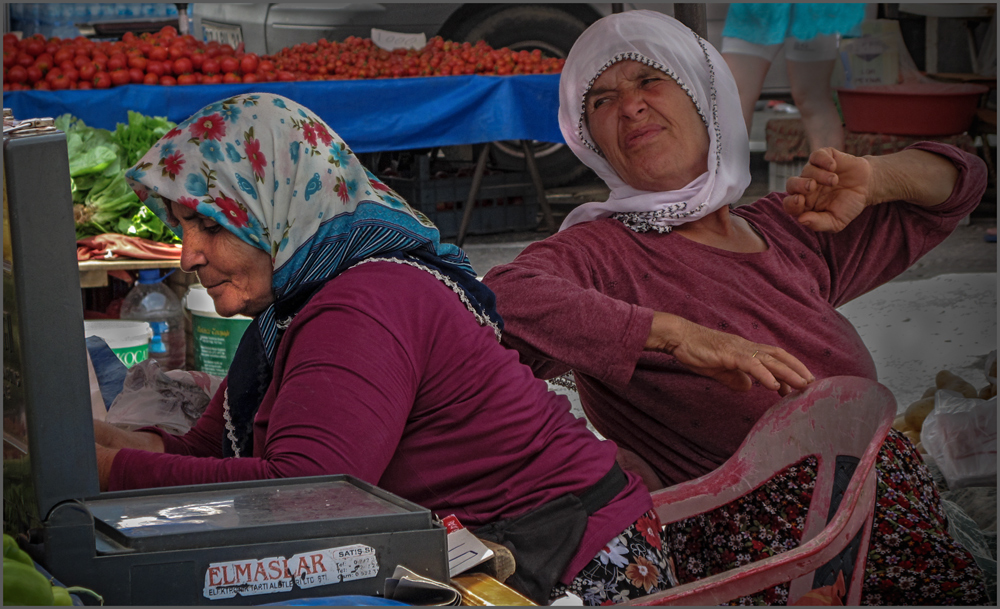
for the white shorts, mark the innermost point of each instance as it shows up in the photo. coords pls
(820, 48)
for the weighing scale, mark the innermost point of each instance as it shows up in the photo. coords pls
(212, 544)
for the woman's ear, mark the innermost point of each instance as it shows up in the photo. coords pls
(171, 218)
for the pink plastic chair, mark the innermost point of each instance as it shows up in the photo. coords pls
(839, 416)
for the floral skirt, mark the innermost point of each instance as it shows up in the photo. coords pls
(633, 564)
(912, 560)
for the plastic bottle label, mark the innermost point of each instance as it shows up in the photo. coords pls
(215, 342)
(131, 356)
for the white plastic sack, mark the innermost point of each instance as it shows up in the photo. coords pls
(171, 400)
(961, 436)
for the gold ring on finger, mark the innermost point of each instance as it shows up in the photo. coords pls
(755, 353)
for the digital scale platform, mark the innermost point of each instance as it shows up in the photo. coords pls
(243, 543)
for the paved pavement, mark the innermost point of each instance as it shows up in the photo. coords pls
(939, 314)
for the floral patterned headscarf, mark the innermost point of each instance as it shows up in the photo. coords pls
(274, 174)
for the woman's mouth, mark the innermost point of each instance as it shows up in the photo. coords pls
(640, 135)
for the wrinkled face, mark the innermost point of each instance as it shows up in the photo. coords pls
(236, 274)
(647, 127)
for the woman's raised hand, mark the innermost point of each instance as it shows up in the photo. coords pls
(833, 189)
(727, 358)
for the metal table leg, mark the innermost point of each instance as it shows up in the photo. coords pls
(529, 159)
(477, 179)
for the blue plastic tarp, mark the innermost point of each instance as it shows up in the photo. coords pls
(370, 115)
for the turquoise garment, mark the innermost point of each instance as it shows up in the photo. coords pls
(772, 23)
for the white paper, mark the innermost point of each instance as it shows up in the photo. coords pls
(465, 551)
(390, 41)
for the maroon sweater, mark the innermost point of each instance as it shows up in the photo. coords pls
(386, 375)
(584, 299)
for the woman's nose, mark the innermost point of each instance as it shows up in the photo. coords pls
(192, 253)
(633, 104)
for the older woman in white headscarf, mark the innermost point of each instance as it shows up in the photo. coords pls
(646, 294)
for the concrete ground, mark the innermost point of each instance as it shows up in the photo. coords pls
(939, 314)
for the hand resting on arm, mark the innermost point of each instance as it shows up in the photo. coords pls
(726, 357)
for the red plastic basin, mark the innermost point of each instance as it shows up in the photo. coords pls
(911, 108)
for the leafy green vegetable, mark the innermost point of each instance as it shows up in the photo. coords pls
(140, 134)
(103, 200)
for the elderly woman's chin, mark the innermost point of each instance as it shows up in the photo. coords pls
(248, 298)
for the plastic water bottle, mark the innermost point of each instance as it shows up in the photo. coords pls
(151, 301)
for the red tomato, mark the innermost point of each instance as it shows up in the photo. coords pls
(158, 54)
(197, 60)
(34, 74)
(156, 68)
(102, 80)
(71, 75)
(116, 62)
(150, 79)
(67, 65)
(182, 66)
(266, 65)
(17, 74)
(212, 79)
(168, 81)
(64, 54)
(285, 76)
(58, 83)
(177, 51)
(145, 48)
(81, 60)
(187, 79)
(250, 78)
(135, 75)
(42, 86)
(24, 60)
(120, 77)
(53, 74)
(84, 84)
(232, 78)
(210, 66)
(229, 64)
(138, 61)
(44, 62)
(35, 46)
(249, 63)
(167, 32)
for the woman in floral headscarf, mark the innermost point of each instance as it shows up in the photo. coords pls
(617, 295)
(375, 352)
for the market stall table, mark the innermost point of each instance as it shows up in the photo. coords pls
(372, 115)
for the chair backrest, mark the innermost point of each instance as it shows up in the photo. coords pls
(834, 417)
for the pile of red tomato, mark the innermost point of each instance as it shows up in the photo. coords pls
(166, 58)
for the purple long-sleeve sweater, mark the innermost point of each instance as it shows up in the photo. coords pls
(385, 375)
(584, 300)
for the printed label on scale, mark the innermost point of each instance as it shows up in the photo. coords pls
(278, 574)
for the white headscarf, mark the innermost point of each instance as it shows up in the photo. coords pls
(663, 42)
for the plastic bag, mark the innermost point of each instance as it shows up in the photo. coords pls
(172, 400)
(961, 436)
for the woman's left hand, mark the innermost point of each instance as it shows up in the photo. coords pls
(833, 189)
(105, 457)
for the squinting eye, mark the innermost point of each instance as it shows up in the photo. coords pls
(599, 102)
(212, 228)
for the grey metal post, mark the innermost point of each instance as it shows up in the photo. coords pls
(477, 179)
(529, 159)
(694, 16)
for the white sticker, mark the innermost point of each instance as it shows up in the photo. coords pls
(247, 577)
(333, 566)
(391, 41)
(278, 574)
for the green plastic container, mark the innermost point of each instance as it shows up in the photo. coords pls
(215, 337)
(128, 339)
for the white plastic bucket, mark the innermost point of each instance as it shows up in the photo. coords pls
(215, 337)
(128, 339)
